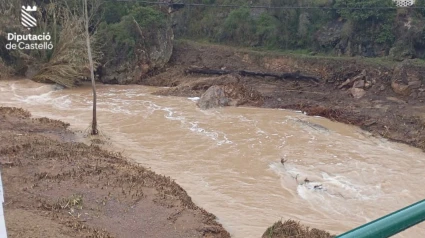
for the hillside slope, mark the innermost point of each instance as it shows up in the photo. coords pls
(366, 28)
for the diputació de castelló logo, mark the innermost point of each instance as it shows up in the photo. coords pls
(26, 19)
(29, 41)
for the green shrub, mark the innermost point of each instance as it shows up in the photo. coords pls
(266, 30)
(368, 13)
(122, 37)
(239, 27)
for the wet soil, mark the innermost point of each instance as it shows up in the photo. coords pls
(380, 111)
(292, 228)
(56, 187)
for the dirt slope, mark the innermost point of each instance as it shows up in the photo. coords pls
(55, 187)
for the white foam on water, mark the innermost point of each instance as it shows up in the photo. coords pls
(324, 193)
(259, 131)
(173, 115)
(151, 107)
(128, 93)
(221, 138)
(244, 119)
(194, 99)
(62, 102)
(121, 110)
(331, 186)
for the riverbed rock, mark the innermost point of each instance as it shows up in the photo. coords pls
(406, 79)
(214, 97)
(359, 84)
(357, 93)
(401, 89)
(352, 81)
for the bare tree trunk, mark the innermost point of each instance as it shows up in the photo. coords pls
(94, 130)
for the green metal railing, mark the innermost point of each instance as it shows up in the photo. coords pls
(390, 224)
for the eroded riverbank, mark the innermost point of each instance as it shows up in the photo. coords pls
(55, 187)
(383, 97)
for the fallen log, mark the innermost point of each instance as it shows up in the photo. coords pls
(296, 75)
(260, 74)
(207, 71)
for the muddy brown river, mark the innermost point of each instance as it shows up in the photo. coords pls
(228, 159)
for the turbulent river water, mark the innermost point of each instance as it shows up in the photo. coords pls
(229, 159)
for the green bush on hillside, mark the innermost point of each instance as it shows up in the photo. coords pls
(368, 13)
(266, 30)
(239, 27)
(122, 37)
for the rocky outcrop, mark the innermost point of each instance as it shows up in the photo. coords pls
(150, 55)
(407, 80)
(403, 41)
(358, 85)
(409, 31)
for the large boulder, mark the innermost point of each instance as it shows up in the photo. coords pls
(401, 89)
(214, 97)
(233, 94)
(357, 93)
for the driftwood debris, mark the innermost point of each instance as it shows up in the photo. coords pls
(295, 75)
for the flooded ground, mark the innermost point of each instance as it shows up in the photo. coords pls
(335, 177)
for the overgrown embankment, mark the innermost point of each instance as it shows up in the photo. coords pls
(55, 187)
(381, 96)
(129, 41)
(334, 27)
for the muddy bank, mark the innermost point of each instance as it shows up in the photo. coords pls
(292, 228)
(380, 96)
(55, 187)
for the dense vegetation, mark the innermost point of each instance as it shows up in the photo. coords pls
(116, 28)
(125, 25)
(327, 26)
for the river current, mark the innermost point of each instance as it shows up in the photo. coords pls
(335, 177)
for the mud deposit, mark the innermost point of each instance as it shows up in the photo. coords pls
(55, 187)
(385, 98)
